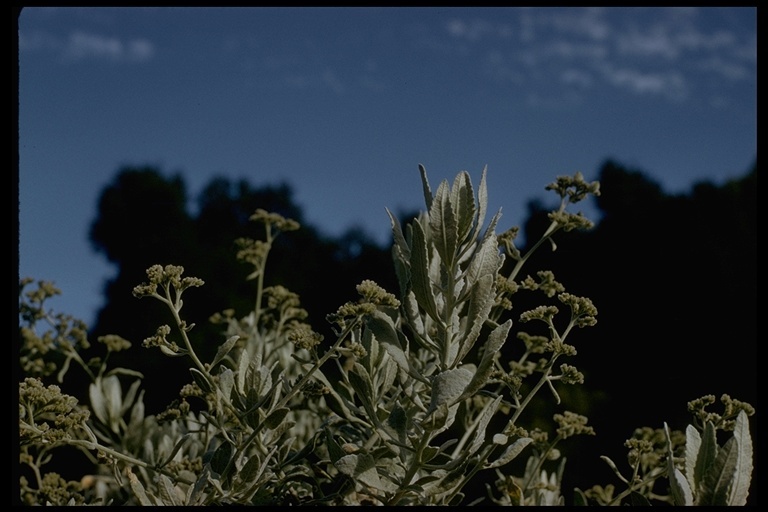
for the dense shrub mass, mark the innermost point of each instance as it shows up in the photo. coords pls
(441, 391)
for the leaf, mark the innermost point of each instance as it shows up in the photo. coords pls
(224, 350)
(420, 282)
(176, 449)
(496, 340)
(398, 420)
(361, 467)
(226, 382)
(130, 397)
(482, 423)
(681, 491)
(692, 450)
(276, 417)
(487, 259)
(253, 470)
(383, 329)
(167, 491)
(511, 452)
(482, 202)
(195, 492)
(447, 386)
(638, 500)
(743, 471)
(113, 393)
(242, 370)
(425, 186)
(200, 380)
(221, 457)
(705, 458)
(721, 475)
(481, 300)
(463, 201)
(442, 224)
(98, 403)
(138, 490)
(361, 382)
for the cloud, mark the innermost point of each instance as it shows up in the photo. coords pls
(671, 84)
(83, 46)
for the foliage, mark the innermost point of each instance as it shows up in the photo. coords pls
(408, 403)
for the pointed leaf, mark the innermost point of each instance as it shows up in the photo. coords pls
(681, 491)
(447, 386)
(743, 471)
(692, 448)
(511, 452)
(425, 186)
(482, 202)
(224, 350)
(226, 382)
(463, 201)
(176, 449)
(482, 423)
(221, 457)
(481, 300)
(200, 380)
(443, 226)
(383, 329)
(721, 475)
(362, 468)
(98, 403)
(167, 491)
(496, 340)
(420, 282)
(706, 455)
(138, 490)
(487, 259)
(276, 417)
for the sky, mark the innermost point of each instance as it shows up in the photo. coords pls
(344, 103)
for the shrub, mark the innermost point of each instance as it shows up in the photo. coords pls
(410, 403)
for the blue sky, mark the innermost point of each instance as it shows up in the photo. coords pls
(344, 103)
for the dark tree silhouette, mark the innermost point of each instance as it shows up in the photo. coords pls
(674, 279)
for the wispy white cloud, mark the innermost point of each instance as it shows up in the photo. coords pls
(670, 84)
(81, 45)
(643, 51)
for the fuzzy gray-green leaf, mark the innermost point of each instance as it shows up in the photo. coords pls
(362, 468)
(221, 457)
(692, 448)
(383, 329)
(496, 340)
(224, 350)
(463, 201)
(167, 491)
(482, 423)
(226, 382)
(743, 471)
(682, 494)
(425, 187)
(720, 476)
(276, 417)
(420, 282)
(482, 202)
(511, 452)
(481, 300)
(705, 455)
(138, 490)
(447, 386)
(487, 259)
(443, 225)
